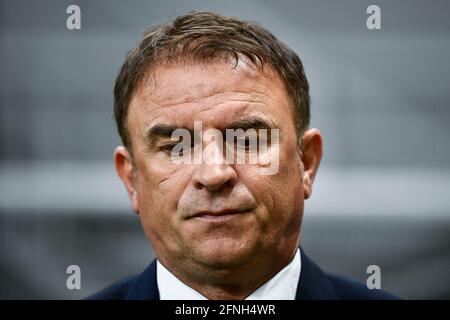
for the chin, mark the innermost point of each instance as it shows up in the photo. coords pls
(224, 253)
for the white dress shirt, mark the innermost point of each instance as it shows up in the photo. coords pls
(283, 286)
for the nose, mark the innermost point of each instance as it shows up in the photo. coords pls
(214, 173)
(214, 177)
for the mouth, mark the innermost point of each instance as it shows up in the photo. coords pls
(219, 215)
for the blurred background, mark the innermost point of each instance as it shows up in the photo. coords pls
(380, 97)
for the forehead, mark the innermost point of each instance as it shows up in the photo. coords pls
(212, 93)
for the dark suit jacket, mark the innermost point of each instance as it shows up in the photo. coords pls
(313, 284)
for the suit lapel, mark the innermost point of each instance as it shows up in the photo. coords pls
(313, 282)
(144, 287)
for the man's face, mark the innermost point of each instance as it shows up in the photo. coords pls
(216, 215)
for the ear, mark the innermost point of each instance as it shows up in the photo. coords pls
(311, 156)
(124, 168)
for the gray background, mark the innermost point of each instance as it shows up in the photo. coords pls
(381, 99)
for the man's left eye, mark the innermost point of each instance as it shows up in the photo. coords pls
(243, 143)
(248, 143)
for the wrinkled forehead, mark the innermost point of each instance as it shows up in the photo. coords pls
(185, 82)
(183, 93)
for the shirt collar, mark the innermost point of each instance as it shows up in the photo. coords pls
(283, 286)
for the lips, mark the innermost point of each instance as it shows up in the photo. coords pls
(218, 215)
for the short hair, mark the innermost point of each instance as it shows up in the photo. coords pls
(204, 37)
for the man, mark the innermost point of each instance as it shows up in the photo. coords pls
(220, 229)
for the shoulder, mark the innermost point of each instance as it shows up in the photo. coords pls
(316, 284)
(139, 287)
(349, 289)
(117, 291)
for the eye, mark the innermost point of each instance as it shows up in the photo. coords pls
(243, 143)
(247, 143)
(183, 147)
(167, 148)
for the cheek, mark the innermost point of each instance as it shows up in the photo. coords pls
(160, 187)
(282, 193)
(159, 194)
(159, 174)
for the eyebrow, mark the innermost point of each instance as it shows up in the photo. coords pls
(162, 130)
(166, 131)
(253, 122)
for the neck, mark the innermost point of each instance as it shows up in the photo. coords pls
(235, 283)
